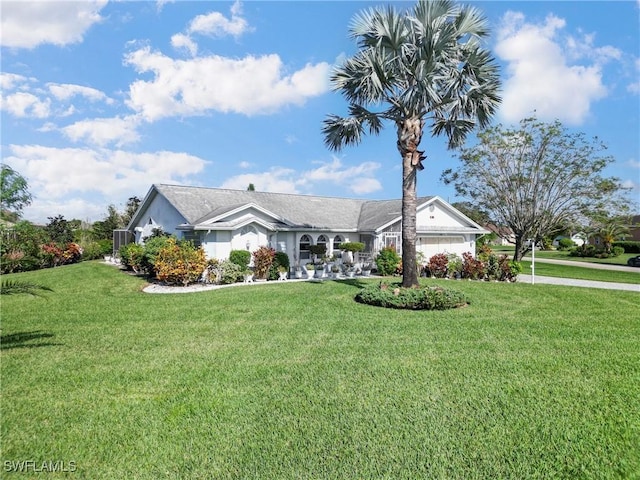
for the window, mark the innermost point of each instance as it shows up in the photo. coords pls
(194, 237)
(305, 242)
(392, 241)
(337, 241)
(323, 240)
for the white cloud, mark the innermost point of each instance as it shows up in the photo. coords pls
(8, 81)
(103, 131)
(64, 91)
(215, 24)
(23, 104)
(358, 179)
(540, 76)
(57, 173)
(27, 24)
(245, 165)
(277, 180)
(251, 85)
(180, 40)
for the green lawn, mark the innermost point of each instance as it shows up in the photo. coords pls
(296, 380)
(564, 255)
(582, 273)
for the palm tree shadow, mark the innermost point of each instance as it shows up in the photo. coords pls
(25, 339)
(354, 282)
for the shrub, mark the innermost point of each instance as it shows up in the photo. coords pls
(509, 270)
(106, 246)
(179, 263)
(91, 251)
(240, 258)
(262, 260)
(617, 251)
(419, 298)
(565, 244)
(387, 261)
(225, 272)
(471, 267)
(454, 265)
(493, 271)
(131, 256)
(152, 247)
(438, 265)
(51, 255)
(280, 263)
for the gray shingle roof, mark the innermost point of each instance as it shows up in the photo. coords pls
(198, 203)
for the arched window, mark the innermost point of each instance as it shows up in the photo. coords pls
(323, 240)
(305, 242)
(337, 241)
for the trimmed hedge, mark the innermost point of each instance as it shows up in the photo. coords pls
(629, 246)
(393, 295)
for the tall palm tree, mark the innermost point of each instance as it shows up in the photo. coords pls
(423, 65)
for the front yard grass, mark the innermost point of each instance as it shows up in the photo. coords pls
(296, 380)
(582, 273)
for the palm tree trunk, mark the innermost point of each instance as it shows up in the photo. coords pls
(409, 136)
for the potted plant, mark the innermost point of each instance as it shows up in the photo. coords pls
(335, 270)
(349, 248)
(366, 269)
(349, 269)
(310, 267)
(282, 272)
(248, 276)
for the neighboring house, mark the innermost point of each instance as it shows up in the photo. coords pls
(577, 238)
(222, 220)
(505, 234)
(634, 229)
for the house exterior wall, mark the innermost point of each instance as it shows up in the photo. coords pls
(159, 214)
(429, 245)
(435, 215)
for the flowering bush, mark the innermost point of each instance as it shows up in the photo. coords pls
(179, 263)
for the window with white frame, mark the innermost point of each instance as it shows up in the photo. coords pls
(305, 243)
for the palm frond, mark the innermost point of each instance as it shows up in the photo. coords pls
(341, 131)
(13, 287)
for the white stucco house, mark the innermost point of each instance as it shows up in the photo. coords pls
(222, 220)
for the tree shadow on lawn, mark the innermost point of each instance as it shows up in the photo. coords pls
(23, 339)
(354, 282)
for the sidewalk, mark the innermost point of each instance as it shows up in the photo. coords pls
(572, 282)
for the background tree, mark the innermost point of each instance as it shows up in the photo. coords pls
(474, 211)
(14, 193)
(59, 230)
(422, 65)
(610, 229)
(103, 229)
(535, 179)
(130, 210)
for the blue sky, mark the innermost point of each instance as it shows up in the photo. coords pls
(102, 99)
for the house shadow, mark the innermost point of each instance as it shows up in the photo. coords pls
(32, 339)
